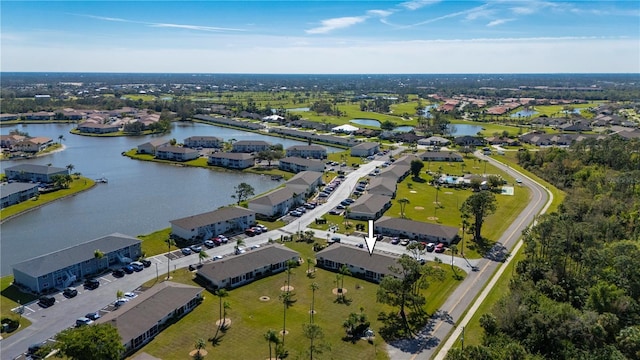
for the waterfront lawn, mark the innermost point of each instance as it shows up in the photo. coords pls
(251, 318)
(11, 297)
(156, 242)
(77, 185)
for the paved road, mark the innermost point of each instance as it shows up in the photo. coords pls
(449, 315)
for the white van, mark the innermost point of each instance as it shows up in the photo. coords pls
(137, 266)
(83, 321)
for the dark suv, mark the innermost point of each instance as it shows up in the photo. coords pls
(70, 292)
(91, 284)
(46, 301)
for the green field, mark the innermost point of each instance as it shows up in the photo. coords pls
(12, 298)
(251, 317)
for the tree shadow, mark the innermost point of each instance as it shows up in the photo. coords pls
(216, 340)
(343, 300)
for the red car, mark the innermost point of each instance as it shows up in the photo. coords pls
(439, 248)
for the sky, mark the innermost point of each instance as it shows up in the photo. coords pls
(321, 37)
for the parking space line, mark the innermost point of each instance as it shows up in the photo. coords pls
(105, 279)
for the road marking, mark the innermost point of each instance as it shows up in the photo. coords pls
(105, 279)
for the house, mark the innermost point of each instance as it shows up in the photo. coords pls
(346, 129)
(307, 151)
(8, 141)
(231, 272)
(203, 141)
(33, 145)
(434, 141)
(369, 267)
(295, 164)
(277, 202)
(213, 223)
(64, 267)
(9, 117)
(305, 182)
(468, 141)
(176, 153)
(577, 126)
(369, 207)
(249, 146)
(96, 128)
(14, 193)
(365, 149)
(142, 318)
(35, 173)
(396, 172)
(40, 115)
(383, 186)
(416, 230)
(150, 146)
(446, 156)
(232, 160)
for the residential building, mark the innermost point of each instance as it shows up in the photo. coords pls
(176, 153)
(150, 147)
(382, 186)
(249, 146)
(203, 141)
(232, 160)
(33, 145)
(212, 223)
(9, 117)
(369, 207)
(397, 172)
(278, 202)
(369, 267)
(142, 318)
(64, 267)
(14, 193)
(295, 164)
(8, 141)
(416, 230)
(307, 151)
(434, 141)
(365, 149)
(40, 115)
(446, 156)
(234, 271)
(468, 141)
(305, 182)
(35, 173)
(96, 128)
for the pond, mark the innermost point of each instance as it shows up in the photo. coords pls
(464, 129)
(425, 111)
(376, 123)
(524, 113)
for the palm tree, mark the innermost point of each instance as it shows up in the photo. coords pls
(202, 255)
(70, 167)
(403, 204)
(239, 243)
(119, 294)
(454, 250)
(221, 293)
(344, 271)
(61, 139)
(272, 337)
(170, 243)
(200, 344)
(314, 286)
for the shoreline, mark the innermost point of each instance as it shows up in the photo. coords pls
(62, 148)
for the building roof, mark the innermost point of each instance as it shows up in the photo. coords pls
(198, 138)
(384, 185)
(365, 146)
(211, 217)
(177, 150)
(140, 314)
(306, 148)
(301, 161)
(16, 187)
(439, 154)
(345, 128)
(418, 227)
(395, 171)
(36, 169)
(61, 259)
(275, 197)
(156, 142)
(369, 203)
(344, 254)
(251, 142)
(233, 266)
(232, 156)
(305, 178)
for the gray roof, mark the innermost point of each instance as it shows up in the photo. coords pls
(418, 227)
(275, 197)
(36, 169)
(233, 266)
(232, 156)
(177, 149)
(211, 217)
(366, 146)
(61, 259)
(300, 161)
(370, 203)
(307, 147)
(382, 185)
(395, 171)
(439, 154)
(305, 178)
(195, 138)
(251, 142)
(344, 254)
(143, 312)
(156, 142)
(16, 187)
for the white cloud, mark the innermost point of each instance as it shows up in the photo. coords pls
(380, 13)
(499, 22)
(417, 4)
(193, 27)
(469, 12)
(524, 10)
(329, 25)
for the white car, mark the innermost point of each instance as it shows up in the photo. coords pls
(130, 295)
(120, 302)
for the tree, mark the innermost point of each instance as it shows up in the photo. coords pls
(221, 293)
(417, 249)
(70, 167)
(403, 204)
(388, 125)
(272, 338)
(100, 341)
(416, 167)
(239, 243)
(119, 294)
(313, 332)
(344, 271)
(314, 286)
(200, 345)
(202, 255)
(170, 243)
(61, 139)
(243, 191)
(356, 324)
(479, 206)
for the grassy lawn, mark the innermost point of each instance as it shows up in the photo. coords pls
(142, 97)
(10, 299)
(251, 318)
(76, 186)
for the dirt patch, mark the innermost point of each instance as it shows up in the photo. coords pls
(433, 218)
(264, 298)
(449, 193)
(418, 208)
(286, 288)
(286, 332)
(335, 291)
(203, 352)
(313, 312)
(413, 191)
(226, 322)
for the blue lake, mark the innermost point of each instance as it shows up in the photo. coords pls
(524, 113)
(464, 129)
(425, 111)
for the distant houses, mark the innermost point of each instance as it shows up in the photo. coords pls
(204, 142)
(416, 230)
(296, 165)
(213, 223)
(278, 202)
(249, 146)
(446, 156)
(35, 173)
(369, 267)
(15, 193)
(365, 149)
(307, 151)
(151, 146)
(237, 161)
(176, 153)
(97, 128)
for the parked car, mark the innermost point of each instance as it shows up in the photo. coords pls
(137, 266)
(240, 250)
(335, 212)
(196, 248)
(250, 232)
(70, 292)
(404, 242)
(309, 206)
(186, 251)
(295, 213)
(335, 239)
(128, 269)
(145, 262)
(257, 230)
(91, 284)
(117, 273)
(209, 243)
(130, 295)
(120, 302)
(83, 321)
(93, 316)
(340, 207)
(431, 247)
(439, 248)
(395, 240)
(217, 257)
(263, 228)
(46, 301)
